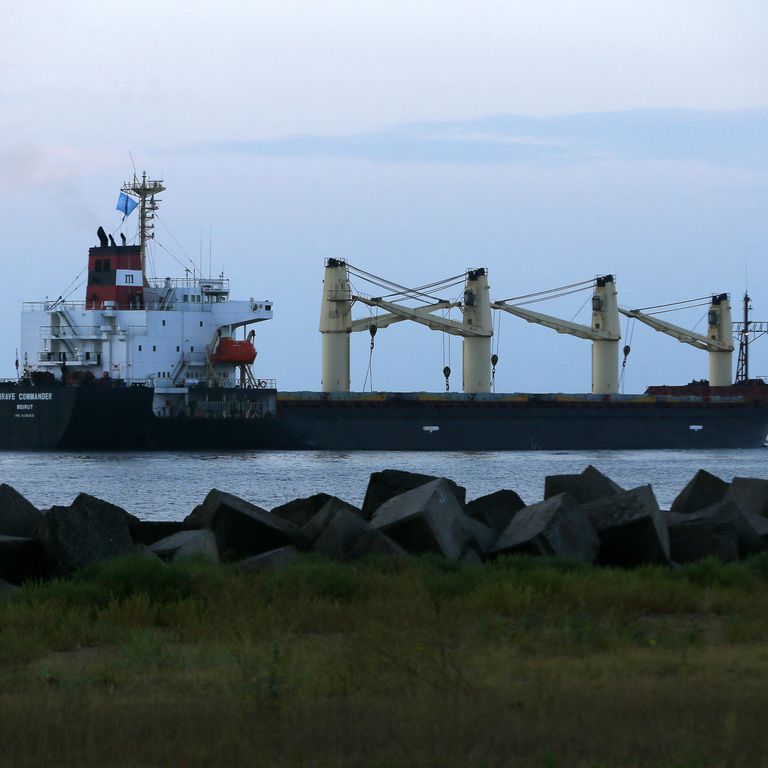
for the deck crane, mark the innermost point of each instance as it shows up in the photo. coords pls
(718, 341)
(604, 333)
(336, 325)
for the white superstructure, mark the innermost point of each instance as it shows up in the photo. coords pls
(169, 333)
(169, 341)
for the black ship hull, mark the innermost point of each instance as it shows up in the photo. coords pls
(457, 422)
(532, 423)
(56, 417)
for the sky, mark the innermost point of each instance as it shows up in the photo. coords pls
(549, 142)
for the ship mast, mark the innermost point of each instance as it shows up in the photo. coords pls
(747, 332)
(742, 367)
(145, 189)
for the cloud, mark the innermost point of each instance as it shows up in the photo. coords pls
(40, 165)
(732, 138)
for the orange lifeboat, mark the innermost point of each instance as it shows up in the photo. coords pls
(234, 352)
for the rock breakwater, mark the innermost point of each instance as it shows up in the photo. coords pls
(585, 517)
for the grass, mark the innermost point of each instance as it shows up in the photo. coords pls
(388, 662)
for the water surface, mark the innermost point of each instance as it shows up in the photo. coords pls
(167, 486)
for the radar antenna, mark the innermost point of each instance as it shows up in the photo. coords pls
(145, 189)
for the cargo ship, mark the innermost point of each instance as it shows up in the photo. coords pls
(168, 364)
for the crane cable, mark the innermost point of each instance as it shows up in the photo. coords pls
(421, 293)
(369, 372)
(686, 304)
(496, 325)
(578, 311)
(447, 366)
(627, 348)
(546, 294)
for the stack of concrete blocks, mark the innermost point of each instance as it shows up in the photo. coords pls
(584, 517)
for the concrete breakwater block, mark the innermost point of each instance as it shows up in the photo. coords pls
(589, 485)
(425, 519)
(481, 537)
(18, 517)
(728, 516)
(186, 544)
(320, 520)
(703, 490)
(631, 528)
(758, 523)
(243, 529)
(385, 485)
(749, 494)
(373, 542)
(86, 500)
(557, 526)
(495, 509)
(301, 511)
(343, 525)
(693, 537)
(87, 531)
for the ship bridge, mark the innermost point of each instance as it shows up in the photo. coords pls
(185, 294)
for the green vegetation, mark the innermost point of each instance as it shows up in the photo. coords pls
(388, 662)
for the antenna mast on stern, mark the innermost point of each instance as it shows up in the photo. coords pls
(145, 189)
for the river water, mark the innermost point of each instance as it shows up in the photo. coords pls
(167, 486)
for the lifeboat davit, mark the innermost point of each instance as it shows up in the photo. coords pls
(234, 352)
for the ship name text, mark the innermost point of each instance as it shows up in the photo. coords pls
(26, 396)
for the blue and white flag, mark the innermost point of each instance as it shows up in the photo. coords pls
(125, 204)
